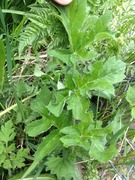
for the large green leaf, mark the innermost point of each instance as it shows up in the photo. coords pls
(73, 25)
(38, 126)
(48, 144)
(72, 137)
(56, 106)
(63, 167)
(101, 77)
(98, 151)
(79, 106)
(2, 62)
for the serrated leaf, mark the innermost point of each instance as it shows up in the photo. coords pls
(49, 143)
(7, 132)
(72, 136)
(2, 62)
(38, 126)
(79, 106)
(103, 22)
(63, 168)
(11, 148)
(101, 75)
(98, 151)
(19, 158)
(7, 164)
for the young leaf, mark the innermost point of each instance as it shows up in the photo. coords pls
(63, 167)
(2, 62)
(48, 144)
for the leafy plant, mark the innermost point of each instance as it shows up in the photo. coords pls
(72, 105)
(44, 29)
(10, 158)
(64, 103)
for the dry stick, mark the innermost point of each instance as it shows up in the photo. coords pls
(15, 105)
(117, 172)
(133, 147)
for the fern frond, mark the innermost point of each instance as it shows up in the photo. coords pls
(44, 29)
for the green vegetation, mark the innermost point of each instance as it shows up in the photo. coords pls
(67, 90)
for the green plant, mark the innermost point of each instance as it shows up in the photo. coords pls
(74, 130)
(10, 157)
(72, 103)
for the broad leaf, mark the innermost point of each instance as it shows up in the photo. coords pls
(63, 167)
(79, 106)
(73, 25)
(101, 76)
(103, 22)
(98, 151)
(56, 106)
(74, 138)
(2, 62)
(38, 126)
